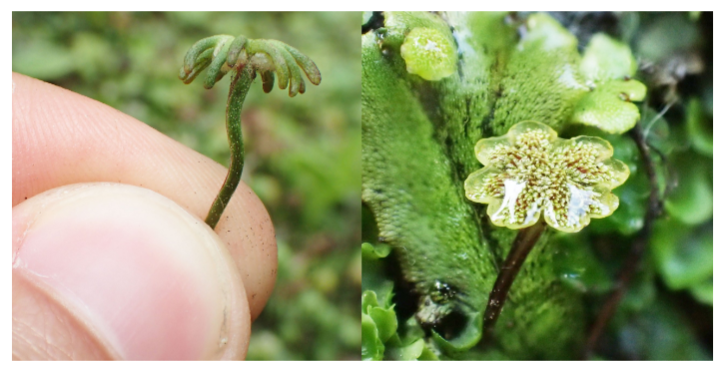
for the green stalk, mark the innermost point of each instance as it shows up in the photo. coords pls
(238, 89)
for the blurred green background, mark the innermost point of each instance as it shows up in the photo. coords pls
(303, 156)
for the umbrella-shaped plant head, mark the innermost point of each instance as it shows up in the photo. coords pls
(245, 58)
(530, 171)
(531, 178)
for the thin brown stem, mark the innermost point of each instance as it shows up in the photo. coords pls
(633, 262)
(524, 242)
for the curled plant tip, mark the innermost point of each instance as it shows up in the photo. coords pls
(271, 58)
(187, 74)
(310, 69)
(531, 171)
(267, 81)
(296, 82)
(201, 54)
(285, 61)
(275, 61)
(235, 48)
(214, 71)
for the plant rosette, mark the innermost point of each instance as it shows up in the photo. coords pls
(530, 171)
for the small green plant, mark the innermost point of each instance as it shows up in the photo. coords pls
(531, 171)
(245, 58)
(583, 291)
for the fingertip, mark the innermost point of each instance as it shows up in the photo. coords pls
(136, 276)
(247, 229)
(86, 141)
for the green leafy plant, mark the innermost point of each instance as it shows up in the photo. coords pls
(531, 173)
(435, 84)
(245, 58)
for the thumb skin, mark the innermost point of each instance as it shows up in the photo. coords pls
(111, 271)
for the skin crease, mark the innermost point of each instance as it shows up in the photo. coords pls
(85, 141)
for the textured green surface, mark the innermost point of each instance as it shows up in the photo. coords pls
(418, 137)
(413, 184)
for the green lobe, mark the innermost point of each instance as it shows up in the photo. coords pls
(609, 107)
(372, 349)
(429, 53)
(607, 59)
